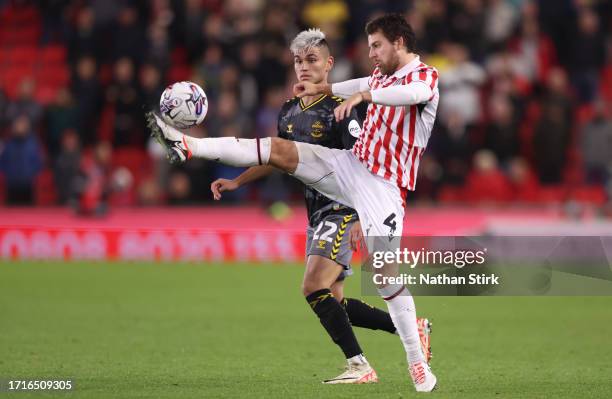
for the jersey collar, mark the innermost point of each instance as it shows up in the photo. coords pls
(409, 67)
(318, 100)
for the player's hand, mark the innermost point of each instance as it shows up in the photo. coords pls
(356, 237)
(221, 185)
(344, 109)
(305, 88)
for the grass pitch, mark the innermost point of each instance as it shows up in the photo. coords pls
(232, 331)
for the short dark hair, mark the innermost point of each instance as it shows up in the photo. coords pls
(393, 26)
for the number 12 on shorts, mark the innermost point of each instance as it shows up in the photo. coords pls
(332, 228)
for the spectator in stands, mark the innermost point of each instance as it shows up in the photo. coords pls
(122, 96)
(66, 166)
(467, 22)
(151, 85)
(25, 104)
(596, 146)
(460, 82)
(553, 129)
(524, 183)
(128, 34)
(179, 188)
(450, 145)
(500, 21)
(501, 132)
(61, 115)
(86, 91)
(486, 182)
(21, 161)
(83, 38)
(3, 109)
(533, 53)
(93, 184)
(436, 29)
(587, 54)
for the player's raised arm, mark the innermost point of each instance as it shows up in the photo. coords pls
(251, 174)
(341, 89)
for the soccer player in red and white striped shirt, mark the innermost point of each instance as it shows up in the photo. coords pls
(375, 174)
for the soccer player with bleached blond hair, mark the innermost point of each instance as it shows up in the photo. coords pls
(374, 175)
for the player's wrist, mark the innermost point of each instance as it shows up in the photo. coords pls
(325, 88)
(366, 96)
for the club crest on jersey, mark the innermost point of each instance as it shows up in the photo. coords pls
(317, 129)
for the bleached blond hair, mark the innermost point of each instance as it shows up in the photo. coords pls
(308, 39)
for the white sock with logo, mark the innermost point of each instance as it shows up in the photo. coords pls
(231, 150)
(403, 313)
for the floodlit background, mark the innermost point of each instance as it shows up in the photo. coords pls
(523, 138)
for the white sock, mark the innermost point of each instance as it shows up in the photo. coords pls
(403, 313)
(231, 150)
(358, 359)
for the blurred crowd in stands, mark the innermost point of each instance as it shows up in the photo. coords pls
(525, 113)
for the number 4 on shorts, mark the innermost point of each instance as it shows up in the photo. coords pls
(390, 221)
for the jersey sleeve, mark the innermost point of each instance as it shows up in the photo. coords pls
(350, 129)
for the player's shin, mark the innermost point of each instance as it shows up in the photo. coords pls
(231, 150)
(366, 316)
(335, 321)
(403, 313)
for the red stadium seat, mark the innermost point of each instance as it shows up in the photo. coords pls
(595, 195)
(22, 55)
(133, 158)
(179, 72)
(44, 189)
(54, 76)
(552, 194)
(52, 55)
(450, 194)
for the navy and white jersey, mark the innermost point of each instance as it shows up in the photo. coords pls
(315, 124)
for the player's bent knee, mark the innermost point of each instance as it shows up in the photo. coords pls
(284, 155)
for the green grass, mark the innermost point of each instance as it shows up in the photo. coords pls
(207, 331)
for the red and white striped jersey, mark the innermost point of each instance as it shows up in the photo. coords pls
(394, 138)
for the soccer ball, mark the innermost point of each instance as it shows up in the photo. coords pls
(183, 104)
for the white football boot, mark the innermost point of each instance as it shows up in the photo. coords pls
(355, 373)
(169, 137)
(422, 377)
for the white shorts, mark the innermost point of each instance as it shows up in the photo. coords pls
(339, 175)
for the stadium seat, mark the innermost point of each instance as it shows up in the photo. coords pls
(44, 189)
(595, 195)
(56, 76)
(552, 194)
(133, 158)
(53, 55)
(22, 55)
(179, 72)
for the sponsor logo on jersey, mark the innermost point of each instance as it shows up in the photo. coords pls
(354, 128)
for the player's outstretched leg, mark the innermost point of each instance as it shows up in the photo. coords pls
(232, 151)
(319, 275)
